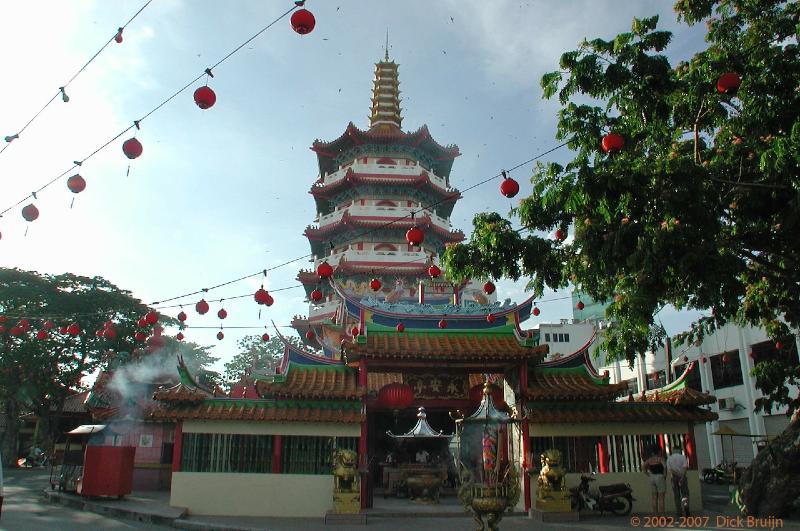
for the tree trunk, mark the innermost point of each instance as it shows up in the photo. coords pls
(9, 439)
(771, 486)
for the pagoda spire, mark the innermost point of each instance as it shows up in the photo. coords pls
(385, 94)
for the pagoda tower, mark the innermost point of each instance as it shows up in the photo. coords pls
(374, 185)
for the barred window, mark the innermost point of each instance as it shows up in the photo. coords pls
(312, 455)
(226, 452)
(578, 454)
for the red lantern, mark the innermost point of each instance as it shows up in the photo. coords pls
(118, 36)
(400, 327)
(24, 324)
(375, 284)
(560, 236)
(729, 83)
(434, 271)
(536, 311)
(396, 396)
(324, 270)
(15, 331)
(142, 323)
(612, 142)
(415, 236)
(310, 335)
(30, 212)
(140, 336)
(74, 329)
(442, 324)
(41, 334)
(265, 337)
(62, 330)
(182, 316)
(726, 358)
(151, 317)
(476, 396)
(354, 331)
(3, 319)
(109, 333)
(220, 335)
(222, 314)
(490, 318)
(269, 300)
(489, 288)
(48, 325)
(132, 148)
(76, 184)
(98, 333)
(204, 97)
(509, 187)
(202, 307)
(261, 296)
(778, 345)
(580, 305)
(316, 295)
(179, 336)
(303, 21)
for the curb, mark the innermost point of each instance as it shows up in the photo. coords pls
(137, 515)
(180, 523)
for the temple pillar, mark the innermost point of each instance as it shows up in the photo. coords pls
(362, 441)
(602, 455)
(526, 439)
(421, 292)
(662, 443)
(177, 447)
(277, 452)
(691, 453)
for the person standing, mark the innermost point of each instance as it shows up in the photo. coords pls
(677, 465)
(654, 468)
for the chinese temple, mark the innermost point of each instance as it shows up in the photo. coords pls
(394, 354)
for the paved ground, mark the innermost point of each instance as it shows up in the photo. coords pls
(26, 508)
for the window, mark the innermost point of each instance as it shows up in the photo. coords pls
(566, 338)
(225, 452)
(578, 454)
(633, 386)
(312, 455)
(656, 379)
(726, 370)
(693, 379)
(547, 337)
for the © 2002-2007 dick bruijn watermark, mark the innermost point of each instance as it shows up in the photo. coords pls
(707, 522)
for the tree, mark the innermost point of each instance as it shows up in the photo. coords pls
(255, 353)
(699, 209)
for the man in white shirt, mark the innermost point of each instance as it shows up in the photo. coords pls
(677, 465)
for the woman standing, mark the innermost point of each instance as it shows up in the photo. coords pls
(654, 467)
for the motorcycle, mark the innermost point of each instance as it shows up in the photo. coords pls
(724, 473)
(36, 458)
(617, 499)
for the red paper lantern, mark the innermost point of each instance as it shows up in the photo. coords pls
(434, 271)
(778, 345)
(118, 36)
(354, 331)
(204, 97)
(220, 335)
(316, 295)
(132, 148)
(728, 83)
(3, 319)
(261, 296)
(62, 330)
(396, 396)
(179, 336)
(375, 284)
(442, 324)
(310, 335)
(202, 307)
(612, 142)
(580, 305)
(269, 300)
(30, 212)
(41, 334)
(536, 311)
(560, 236)
(109, 333)
(324, 270)
(24, 324)
(490, 318)
(303, 21)
(400, 327)
(265, 337)
(142, 323)
(140, 336)
(489, 288)
(48, 325)
(151, 317)
(182, 316)
(76, 184)
(15, 331)
(98, 333)
(415, 236)
(222, 314)
(74, 329)
(509, 187)
(476, 396)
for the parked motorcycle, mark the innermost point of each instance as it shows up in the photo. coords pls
(36, 458)
(723, 473)
(617, 498)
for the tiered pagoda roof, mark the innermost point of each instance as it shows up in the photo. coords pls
(311, 381)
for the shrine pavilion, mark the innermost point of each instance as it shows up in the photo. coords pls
(377, 352)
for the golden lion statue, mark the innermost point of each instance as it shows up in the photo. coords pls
(345, 474)
(551, 477)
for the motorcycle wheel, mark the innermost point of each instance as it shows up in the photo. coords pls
(621, 506)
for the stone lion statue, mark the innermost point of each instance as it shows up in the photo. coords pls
(551, 477)
(345, 473)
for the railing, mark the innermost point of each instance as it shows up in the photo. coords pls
(383, 169)
(383, 211)
(392, 257)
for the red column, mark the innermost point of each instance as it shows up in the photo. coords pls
(691, 454)
(362, 441)
(277, 453)
(602, 455)
(661, 443)
(177, 447)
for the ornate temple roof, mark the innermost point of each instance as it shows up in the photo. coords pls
(598, 411)
(181, 393)
(678, 393)
(571, 384)
(348, 221)
(264, 410)
(311, 381)
(420, 430)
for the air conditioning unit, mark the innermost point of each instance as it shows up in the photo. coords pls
(727, 404)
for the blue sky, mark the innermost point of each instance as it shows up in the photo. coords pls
(223, 192)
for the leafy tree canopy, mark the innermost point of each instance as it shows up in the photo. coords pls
(699, 209)
(255, 353)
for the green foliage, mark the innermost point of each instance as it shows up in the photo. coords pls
(255, 353)
(698, 210)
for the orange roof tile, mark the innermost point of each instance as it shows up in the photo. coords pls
(618, 412)
(257, 410)
(376, 380)
(570, 385)
(680, 397)
(314, 382)
(180, 393)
